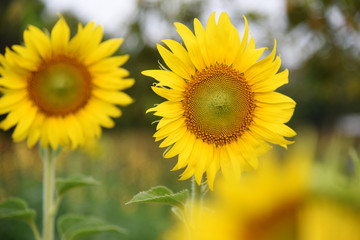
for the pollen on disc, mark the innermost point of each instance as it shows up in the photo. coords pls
(219, 104)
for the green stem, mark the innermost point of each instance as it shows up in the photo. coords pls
(196, 192)
(35, 231)
(48, 157)
(356, 160)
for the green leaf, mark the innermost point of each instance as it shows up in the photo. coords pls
(16, 208)
(64, 185)
(161, 194)
(74, 226)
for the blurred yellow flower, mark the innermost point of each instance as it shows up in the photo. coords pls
(264, 206)
(330, 220)
(284, 199)
(221, 109)
(61, 91)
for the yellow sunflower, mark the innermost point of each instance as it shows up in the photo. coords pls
(60, 91)
(221, 110)
(264, 205)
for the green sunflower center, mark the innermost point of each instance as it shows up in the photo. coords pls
(219, 104)
(61, 86)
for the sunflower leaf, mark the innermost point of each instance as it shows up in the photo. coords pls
(74, 226)
(65, 185)
(16, 208)
(161, 194)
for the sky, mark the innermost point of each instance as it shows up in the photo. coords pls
(114, 15)
(109, 12)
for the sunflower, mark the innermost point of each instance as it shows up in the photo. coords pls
(221, 110)
(60, 91)
(264, 205)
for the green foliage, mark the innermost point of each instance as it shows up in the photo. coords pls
(161, 194)
(65, 185)
(16, 208)
(74, 226)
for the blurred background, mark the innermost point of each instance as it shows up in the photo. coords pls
(318, 41)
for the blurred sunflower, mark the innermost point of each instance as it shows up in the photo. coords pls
(221, 110)
(265, 205)
(329, 219)
(60, 91)
(278, 202)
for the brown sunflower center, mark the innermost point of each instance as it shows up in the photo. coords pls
(219, 104)
(60, 86)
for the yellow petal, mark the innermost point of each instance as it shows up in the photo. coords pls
(235, 160)
(245, 148)
(274, 115)
(105, 49)
(195, 160)
(15, 115)
(269, 136)
(74, 131)
(113, 83)
(273, 98)
(61, 135)
(9, 100)
(188, 173)
(202, 43)
(109, 63)
(278, 128)
(211, 39)
(86, 40)
(52, 131)
(89, 123)
(223, 36)
(245, 37)
(19, 61)
(44, 140)
(168, 109)
(114, 97)
(169, 129)
(60, 35)
(40, 41)
(272, 83)
(106, 108)
(35, 131)
(281, 106)
(249, 57)
(225, 164)
(203, 160)
(174, 62)
(213, 168)
(12, 81)
(98, 116)
(183, 158)
(164, 121)
(192, 45)
(179, 147)
(258, 145)
(264, 69)
(21, 130)
(170, 94)
(178, 50)
(166, 78)
(230, 38)
(174, 137)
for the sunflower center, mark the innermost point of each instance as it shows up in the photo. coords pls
(60, 86)
(219, 104)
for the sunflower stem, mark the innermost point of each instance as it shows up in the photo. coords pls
(196, 201)
(35, 230)
(48, 156)
(356, 160)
